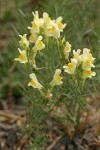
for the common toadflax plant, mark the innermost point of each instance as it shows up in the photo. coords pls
(54, 71)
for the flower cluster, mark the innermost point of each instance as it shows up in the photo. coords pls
(84, 60)
(42, 29)
(29, 54)
(45, 26)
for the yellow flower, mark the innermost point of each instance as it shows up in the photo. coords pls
(87, 59)
(37, 23)
(88, 74)
(50, 27)
(35, 27)
(67, 49)
(61, 26)
(33, 38)
(53, 30)
(87, 55)
(34, 82)
(71, 67)
(24, 42)
(39, 45)
(56, 78)
(47, 20)
(87, 64)
(77, 55)
(36, 16)
(22, 56)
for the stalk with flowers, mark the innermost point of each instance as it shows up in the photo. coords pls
(53, 70)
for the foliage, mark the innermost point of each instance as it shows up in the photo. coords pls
(38, 52)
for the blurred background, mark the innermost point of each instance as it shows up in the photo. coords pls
(82, 30)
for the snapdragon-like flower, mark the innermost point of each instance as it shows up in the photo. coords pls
(24, 42)
(88, 74)
(34, 82)
(33, 37)
(39, 45)
(61, 26)
(53, 30)
(71, 67)
(36, 16)
(67, 49)
(22, 56)
(37, 23)
(57, 79)
(77, 55)
(47, 20)
(40, 21)
(87, 59)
